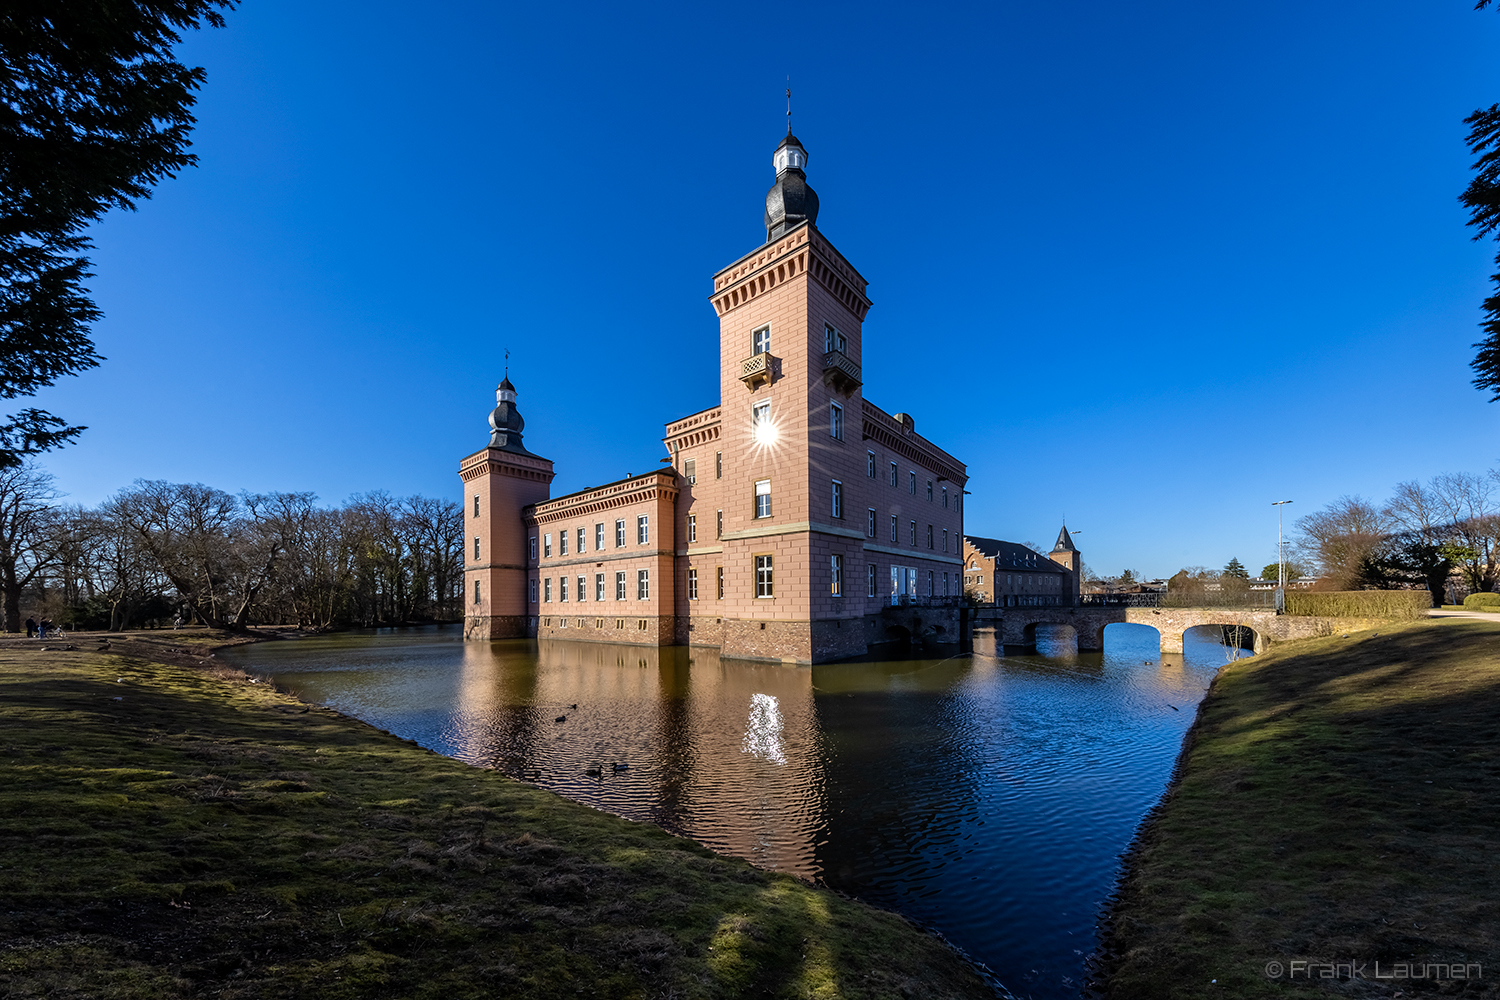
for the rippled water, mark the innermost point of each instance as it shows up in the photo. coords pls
(989, 798)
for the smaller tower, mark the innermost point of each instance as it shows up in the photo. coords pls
(1066, 555)
(500, 481)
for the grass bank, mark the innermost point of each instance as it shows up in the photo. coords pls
(172, 829)
(1337, 804)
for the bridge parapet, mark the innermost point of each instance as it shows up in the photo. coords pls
(1016, 627)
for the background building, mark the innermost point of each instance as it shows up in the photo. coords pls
(1009, 574)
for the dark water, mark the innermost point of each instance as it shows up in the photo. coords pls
(989, 798)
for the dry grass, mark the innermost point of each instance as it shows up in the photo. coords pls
(174, 830)
(1338, 801)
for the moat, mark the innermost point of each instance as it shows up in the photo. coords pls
(987, 798)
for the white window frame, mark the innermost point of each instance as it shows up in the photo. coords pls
(476, 505)
(619, 532)
(760, 340)
(620, 585)
(476, 592)
(692, 584)
(598, 586)
(762, 493)
(583, 587)
(874, 576)
(599, 537)
(836, 421)
(547, 545)
(836, 500)
(836, 575)
(583, 540)
(643, 585)
(476, 548)
(765, 576)
(562, 589)
(530, 590)
(690, 470)
(692, 527)
(870, 530)
(895, 474)
(532, 548)
(547, 590)
(643, 529)
(562, 542)
(870, 464)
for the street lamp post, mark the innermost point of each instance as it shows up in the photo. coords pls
(1280, 559)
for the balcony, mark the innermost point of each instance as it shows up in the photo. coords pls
(756, 371)
(840, 372)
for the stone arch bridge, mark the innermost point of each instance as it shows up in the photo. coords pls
(997, 628)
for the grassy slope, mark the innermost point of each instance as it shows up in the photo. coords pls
(203, 835)
(1339, 800)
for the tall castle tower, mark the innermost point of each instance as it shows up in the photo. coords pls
(499, 482)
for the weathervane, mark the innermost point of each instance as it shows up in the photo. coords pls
(507, 362)
(789, 104)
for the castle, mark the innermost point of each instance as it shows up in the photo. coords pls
(791, 514)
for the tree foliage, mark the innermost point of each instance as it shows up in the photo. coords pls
(158, 550)
(1235, 570)
(94, 111)
(1482, 199)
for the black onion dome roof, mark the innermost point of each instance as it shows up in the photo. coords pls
(791, 200)
(506, 423)
(506, 386)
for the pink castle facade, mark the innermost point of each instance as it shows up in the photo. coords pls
(791, 516)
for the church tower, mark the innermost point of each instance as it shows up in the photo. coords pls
(499, 482)
(1066, 555)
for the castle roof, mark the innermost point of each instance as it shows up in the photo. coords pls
(1013, 554)
(1064, 541)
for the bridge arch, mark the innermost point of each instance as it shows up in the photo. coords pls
(1233, 636)
(1121, 630)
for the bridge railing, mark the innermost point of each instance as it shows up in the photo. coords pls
(1120, 600)
(1256, 599)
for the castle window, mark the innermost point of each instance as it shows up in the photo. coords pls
(760, 341)
(476, 591)
(836, 421)
(692, 584)
(719, 524)
(945, 539)
(643, 585)
(619, 532)
(476, 548)
(547, 591)
(583, 544)
(547, 545)
(833, 340)
(914, 534)
(642, 529)
(763, 498)
(562, 543)
(620, 586)
(719, 572)
(599, 588)
(895, 536)
(838, 499)
(929, 536)
(929, 583)
(583, 589)
(870, 528)
(718, 465)
(912, 487)
(692, 527)
(599, 537)
(476, 505)
(690, 469)
(764, 577)
(562, 589)
(870, 464)
(531, 590)
(531, 549)
(871, 568)
(760, 422)
(945, 584)
(893, 473)
(945, 498)
(836, 578)
(929, 491)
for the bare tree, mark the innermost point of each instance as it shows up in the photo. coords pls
(26, 537)
(1347, 538)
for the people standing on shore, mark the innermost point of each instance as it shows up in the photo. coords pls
(31, 628)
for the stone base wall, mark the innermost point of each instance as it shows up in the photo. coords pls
(635, 630)
(497, 627)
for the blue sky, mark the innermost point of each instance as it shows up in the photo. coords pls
(1149, 266)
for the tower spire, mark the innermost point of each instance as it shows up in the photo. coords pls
(789, 105)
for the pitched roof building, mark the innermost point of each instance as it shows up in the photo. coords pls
(1009, 574)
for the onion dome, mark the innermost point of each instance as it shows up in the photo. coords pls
(505, 421)
(790, 202)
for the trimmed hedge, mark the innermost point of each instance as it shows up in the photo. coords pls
(1359, 603)
(1482, 600)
